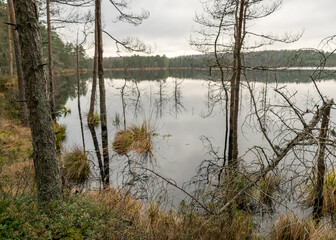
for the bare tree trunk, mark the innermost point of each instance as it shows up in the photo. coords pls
(282, 152)
(10, 55)
(92, 102)
(44, 142)
(123, 103)
(23, 104)
(78, 95)
(226, 98)
(94, 76)
(103, 121)
(51, 66)
(235, 85)
(318, 201)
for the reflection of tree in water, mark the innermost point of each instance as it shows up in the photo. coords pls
(130, 96)
(66, 87)
(178, 107)
(161, 100)
(137, 178)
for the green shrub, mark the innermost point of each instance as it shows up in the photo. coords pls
(74, 218)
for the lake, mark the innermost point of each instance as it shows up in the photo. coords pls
(186, 111)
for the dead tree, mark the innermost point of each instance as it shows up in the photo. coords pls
(230, 18)
(281, 152)
(321, 168)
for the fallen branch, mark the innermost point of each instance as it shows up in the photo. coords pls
(181, 189)
(283, 152)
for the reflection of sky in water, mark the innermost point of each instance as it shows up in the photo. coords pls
(179, 155)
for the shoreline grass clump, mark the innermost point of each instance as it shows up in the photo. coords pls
(135, 138)
(267, 187)
(329, 194)
(60, 132)
(94, 120)
(291, 227)
(76, 166)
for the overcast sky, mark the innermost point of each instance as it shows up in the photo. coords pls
(171, 22)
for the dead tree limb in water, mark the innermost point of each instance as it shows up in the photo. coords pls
(282, 152)
(318, 201)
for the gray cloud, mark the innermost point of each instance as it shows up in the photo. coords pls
(171, 21)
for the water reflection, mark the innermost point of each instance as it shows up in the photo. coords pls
(187, 112)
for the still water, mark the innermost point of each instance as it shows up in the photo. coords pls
(184, 108)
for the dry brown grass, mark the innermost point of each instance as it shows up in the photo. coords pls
(151, 222)
(268, 185)
(329, 195)
(137, 139)
(76, 166)
(17, 178)
(15, 139)
(16, 167)
(290, 227)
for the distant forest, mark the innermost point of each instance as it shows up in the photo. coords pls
(64, 52)
(65, 58)
(262, 59)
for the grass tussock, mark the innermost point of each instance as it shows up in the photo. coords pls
(137, 139)
(267, 187)
(94, 120)
(329, 195)
(76, 166)
(60, 132)
(290, 227)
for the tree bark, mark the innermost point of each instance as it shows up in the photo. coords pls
(51, 66)
(235, 85)
(10, 50)
(104, 134)
(318, 201)
(78, 96)
(17, 48)
(92, 102)
(44, 142)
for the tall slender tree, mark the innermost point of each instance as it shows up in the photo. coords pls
(44, 142)
(229, 18)
(51, 65)
(92, 103)
(17, 48)
(10, 53)
(102, 98)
